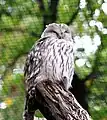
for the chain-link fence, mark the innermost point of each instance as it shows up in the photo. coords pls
(21, 24)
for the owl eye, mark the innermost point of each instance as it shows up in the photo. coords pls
(66, 31)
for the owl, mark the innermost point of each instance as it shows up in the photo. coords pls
(51, 57)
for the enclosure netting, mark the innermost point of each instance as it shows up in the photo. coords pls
(21, 24)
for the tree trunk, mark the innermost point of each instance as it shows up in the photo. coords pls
(55, 103)
(51, 15)
(80, 91)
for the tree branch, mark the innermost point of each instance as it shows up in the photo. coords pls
(58, 104)
(51, 16)
(80, 91)
(55, 103)
(74, 15)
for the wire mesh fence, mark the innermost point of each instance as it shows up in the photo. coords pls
(21, 24)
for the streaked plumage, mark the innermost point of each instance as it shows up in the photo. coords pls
(51, 57)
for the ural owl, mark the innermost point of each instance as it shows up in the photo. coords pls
(51, 57)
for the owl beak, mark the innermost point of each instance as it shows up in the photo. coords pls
(62, 35)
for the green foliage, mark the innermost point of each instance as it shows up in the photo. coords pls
(18, 21)
(13, 92)
(66, 9)
(99, 114)
(14, 112)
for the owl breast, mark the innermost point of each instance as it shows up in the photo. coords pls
(58, 62)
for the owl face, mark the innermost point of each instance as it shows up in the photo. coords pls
(60, 31)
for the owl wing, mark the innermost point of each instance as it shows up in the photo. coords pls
(32, 64)
(34, 60)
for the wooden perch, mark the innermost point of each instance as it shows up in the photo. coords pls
(55, 103)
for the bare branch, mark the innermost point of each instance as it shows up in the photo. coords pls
(57, 103)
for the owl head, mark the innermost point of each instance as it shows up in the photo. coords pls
(60, 31)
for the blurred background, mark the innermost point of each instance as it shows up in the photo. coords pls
(21, 24)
